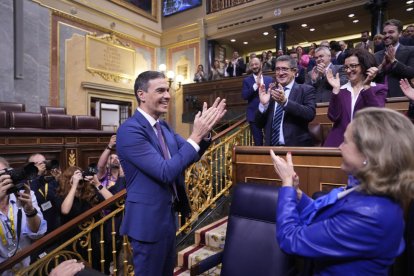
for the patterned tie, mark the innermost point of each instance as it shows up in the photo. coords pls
(164, 151)
(277, 121)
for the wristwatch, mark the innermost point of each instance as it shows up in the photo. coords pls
(32, 214)
(100, 187)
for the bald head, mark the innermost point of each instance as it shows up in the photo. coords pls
(255, 66)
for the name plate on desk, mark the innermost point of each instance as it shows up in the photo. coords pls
(107, 57)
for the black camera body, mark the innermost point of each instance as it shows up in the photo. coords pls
(90, 171)
(20, 175)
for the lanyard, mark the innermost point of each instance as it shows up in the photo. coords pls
(12, 232)
(46, 189)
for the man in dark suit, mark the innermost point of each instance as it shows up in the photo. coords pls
(365, 43)
(236, 66)
(317, 76)
(397, 60)
(286, 109)
(154, 159)
(250, 92)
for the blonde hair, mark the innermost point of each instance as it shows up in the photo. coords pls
(386, 138)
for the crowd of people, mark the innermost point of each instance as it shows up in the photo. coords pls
(51, 198)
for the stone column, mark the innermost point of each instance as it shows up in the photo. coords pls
(377, 9)
(281, 36)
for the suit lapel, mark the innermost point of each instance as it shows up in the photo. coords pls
(169, 138)
(147, 128)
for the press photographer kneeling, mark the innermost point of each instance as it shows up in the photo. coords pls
(20, 216)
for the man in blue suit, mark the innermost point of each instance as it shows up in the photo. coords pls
(154, 159)
(286, 109)
(250, 93)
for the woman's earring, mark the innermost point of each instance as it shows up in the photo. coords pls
(365, 162)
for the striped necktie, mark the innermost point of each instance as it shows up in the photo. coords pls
(164, 148)
(277, 121)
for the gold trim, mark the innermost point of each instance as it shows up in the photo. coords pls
(111, 41)
(105, 30)
(182, 43)
(138, 10)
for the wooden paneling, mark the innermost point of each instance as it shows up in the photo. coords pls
(318, 168)
(69, 147)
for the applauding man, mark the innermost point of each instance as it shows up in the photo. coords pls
(154, 159)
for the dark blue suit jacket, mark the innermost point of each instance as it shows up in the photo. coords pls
(299, 111)
(149, 177)
(252, 96)
(403, 68)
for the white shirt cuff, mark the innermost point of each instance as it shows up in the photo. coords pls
(194, 144)
(263, 108)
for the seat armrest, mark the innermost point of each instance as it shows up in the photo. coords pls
(206, 264)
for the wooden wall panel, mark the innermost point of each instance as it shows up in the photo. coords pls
(318, 168)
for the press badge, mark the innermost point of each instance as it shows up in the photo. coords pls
(46, 206)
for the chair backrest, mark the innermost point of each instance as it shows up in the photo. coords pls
(251, 247)
(58, 121)
(316, 132)
(86, 122)
(4, 119)
(26, 120)
(52, 110)
(15, 107)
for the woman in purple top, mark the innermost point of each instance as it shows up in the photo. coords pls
(358, 93)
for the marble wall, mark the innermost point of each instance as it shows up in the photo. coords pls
(33, 89)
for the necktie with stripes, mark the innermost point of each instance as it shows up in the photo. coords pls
(277, 121)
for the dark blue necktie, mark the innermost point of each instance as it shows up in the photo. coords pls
(277, 121)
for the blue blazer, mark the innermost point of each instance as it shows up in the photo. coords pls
(149, 177)
(252, 96)
(359, 234)
(299, 111)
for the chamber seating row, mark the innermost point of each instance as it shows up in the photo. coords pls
(13, 116)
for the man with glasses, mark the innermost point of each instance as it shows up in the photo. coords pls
(317, 76)
(44, 188)
(17, 209)
(286, 108)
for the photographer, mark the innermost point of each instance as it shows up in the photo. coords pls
(44, 187)
(17, 229)
(77, 193)
(110, 172)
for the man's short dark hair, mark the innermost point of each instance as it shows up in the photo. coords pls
(292, 61)
(141, 82)
(394, 22)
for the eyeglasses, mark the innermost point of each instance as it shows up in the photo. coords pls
(283, 69)
(350, 66)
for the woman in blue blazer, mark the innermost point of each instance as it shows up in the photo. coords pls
(357, 230)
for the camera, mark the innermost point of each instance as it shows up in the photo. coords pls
(90, 171)
(52, 164)
(19, 175)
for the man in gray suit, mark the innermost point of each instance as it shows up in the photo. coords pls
(317, 76)
(397, 60)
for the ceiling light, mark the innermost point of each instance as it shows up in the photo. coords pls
(304, 25)
(351, 15)
(245, 43)
(274, 36)
(265, 33)
(312, 29)
(410, 2)
(232, 40)
(355, 21)
(410, 9)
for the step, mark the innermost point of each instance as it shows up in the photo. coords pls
(212, 235)
(194, 254)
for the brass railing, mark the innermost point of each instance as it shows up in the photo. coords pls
(218, 5)
(96, 234)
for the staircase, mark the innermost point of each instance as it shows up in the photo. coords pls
(208, 241)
